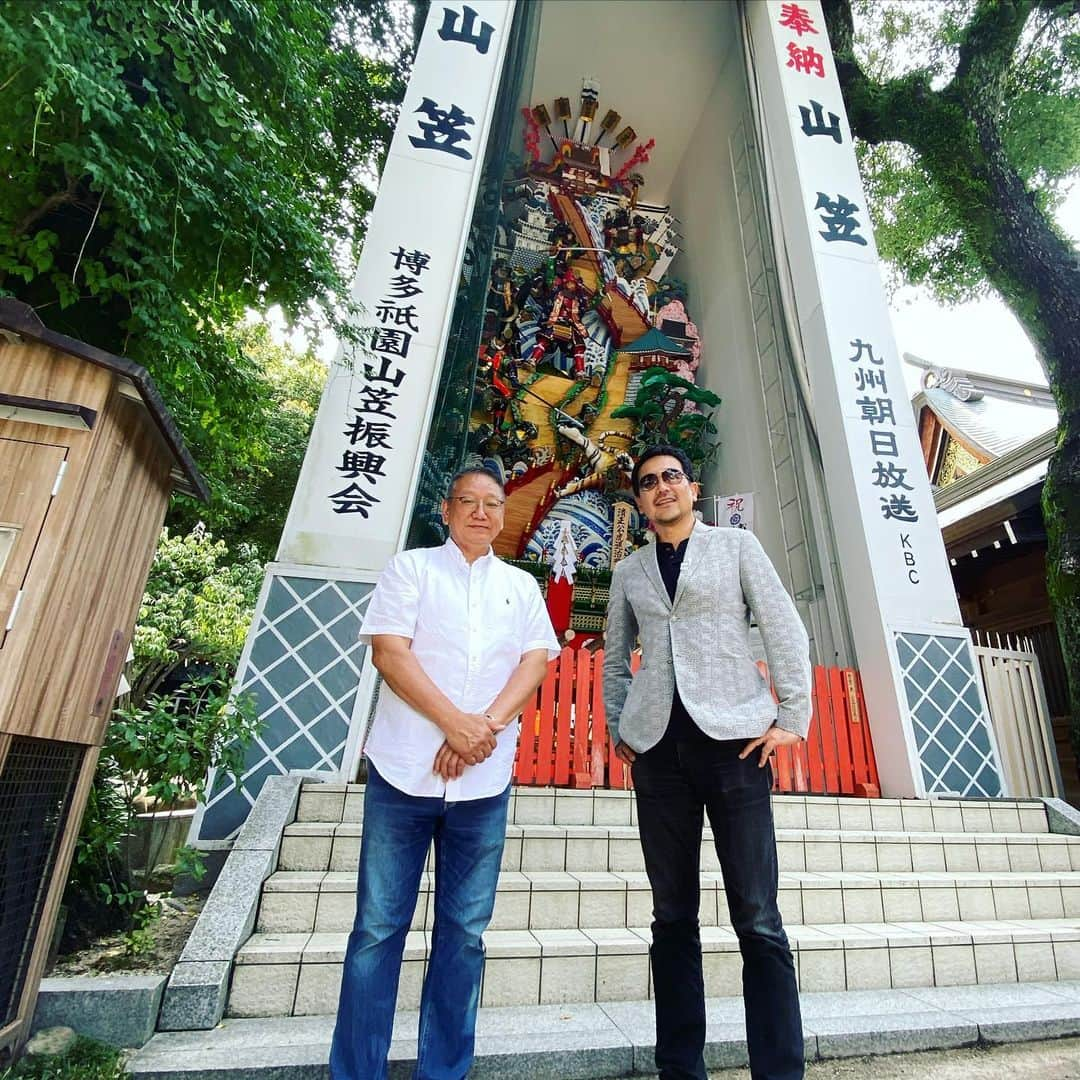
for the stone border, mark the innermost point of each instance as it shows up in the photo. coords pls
(1062, 817)
(577, 1041)
(195, 996)
(120, 1010)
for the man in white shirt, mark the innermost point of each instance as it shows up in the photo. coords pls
(462, 641)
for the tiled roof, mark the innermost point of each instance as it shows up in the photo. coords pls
(991, 424)
(989, 413)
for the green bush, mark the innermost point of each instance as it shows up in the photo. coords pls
(157, 753)
(86, 1060)
(169, 731)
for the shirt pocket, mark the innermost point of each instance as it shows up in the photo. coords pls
(503, 616)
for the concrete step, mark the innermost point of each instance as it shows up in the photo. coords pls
(321, 846)
(300, 974)
(325, 901)
(561, 806)
(585, 1041)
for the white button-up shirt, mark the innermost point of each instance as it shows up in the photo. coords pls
(470, 625)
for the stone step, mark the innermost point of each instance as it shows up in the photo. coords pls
(300, 974)
(591, 1041)
(562, 806)
(319, 901)
(327, 846)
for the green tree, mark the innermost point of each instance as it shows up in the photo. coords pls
(970, 119)
(174, 724)
(196, 609)
(262, 474)
(170, 164)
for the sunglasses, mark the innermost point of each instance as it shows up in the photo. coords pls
(674, 477)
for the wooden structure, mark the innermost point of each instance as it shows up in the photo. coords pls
(987, 443)
(1023, 728)
(88, 459)
(567, 743)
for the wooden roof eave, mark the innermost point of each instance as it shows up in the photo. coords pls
(21, 319)
(983, 455)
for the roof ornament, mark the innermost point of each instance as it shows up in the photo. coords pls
(960, 386)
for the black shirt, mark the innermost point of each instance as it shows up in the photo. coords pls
(681, 726)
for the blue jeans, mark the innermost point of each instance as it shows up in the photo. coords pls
(398, 830)
(675, 784)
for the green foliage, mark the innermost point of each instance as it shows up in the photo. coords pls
(196, 608)
(920, 230)
(170, 164)
(250, 504)
(170, 743)
(139, 940)
(161, 743)
(157, 754)
(659, 408)
(85, 1060)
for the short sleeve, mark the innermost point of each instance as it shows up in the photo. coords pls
(538, 631)
(395, 603)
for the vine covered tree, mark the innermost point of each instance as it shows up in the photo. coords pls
(969, 117)
(170, 164)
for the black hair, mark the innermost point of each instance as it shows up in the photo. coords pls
(473, 470)
(663, 450)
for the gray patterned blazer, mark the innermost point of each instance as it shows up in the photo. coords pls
(702, 641)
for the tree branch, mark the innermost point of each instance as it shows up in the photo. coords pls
(59, 198)
(856, 84)
(878, 111)
(987, 45)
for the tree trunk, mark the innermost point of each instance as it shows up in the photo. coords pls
(955, 133)
(1037, 274)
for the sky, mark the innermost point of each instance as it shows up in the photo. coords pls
(981, 336)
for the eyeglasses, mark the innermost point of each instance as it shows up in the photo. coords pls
(468, 503)
(674, 477)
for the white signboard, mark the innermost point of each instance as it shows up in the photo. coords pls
(736, 511)
(895, 570)
(362, 463)
(888, 479)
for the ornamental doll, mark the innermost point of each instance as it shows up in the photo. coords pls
(563, 326)
(501, 370)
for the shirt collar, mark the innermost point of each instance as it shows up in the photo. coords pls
(664, 548)
(458, 560)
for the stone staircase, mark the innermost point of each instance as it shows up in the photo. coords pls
(876, 895)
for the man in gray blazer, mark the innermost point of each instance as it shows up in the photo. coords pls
(698, 725)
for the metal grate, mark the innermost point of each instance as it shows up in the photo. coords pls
(36, 786)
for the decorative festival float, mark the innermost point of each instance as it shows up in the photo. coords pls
(587, 352)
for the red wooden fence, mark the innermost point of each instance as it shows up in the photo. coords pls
(564, 739)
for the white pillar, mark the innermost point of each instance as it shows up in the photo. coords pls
(310, 677)
(928, 717)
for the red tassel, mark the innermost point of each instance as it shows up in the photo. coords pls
(532, 135)
(639, 157)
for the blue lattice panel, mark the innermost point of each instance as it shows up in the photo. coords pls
(302, 665)
(949, 719)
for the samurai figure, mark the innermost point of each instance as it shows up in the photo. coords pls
(563, 326)
(501, 370)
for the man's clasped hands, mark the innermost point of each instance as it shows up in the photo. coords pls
(470, 739)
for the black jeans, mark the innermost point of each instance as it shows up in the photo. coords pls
(675, 783)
